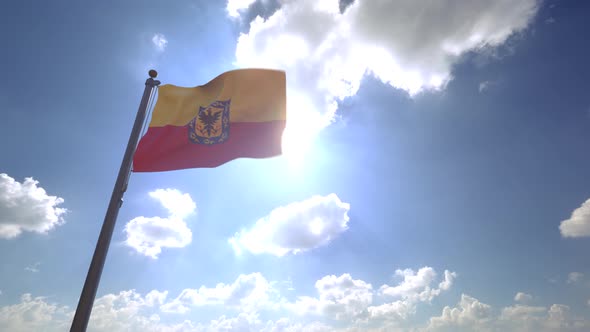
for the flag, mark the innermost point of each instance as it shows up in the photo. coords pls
(239, 114)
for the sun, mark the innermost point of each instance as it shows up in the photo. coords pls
(304, 122)
(296, 144)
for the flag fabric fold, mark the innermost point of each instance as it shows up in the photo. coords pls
(239, 114)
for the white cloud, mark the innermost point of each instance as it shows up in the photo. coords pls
(295, 228)
(556, 318)
(155, 298)
(574, 277)
(578, 224)
(287, 325)
(410, 45)
(469, 313)
(148, 235)
(346, 299)
(396, 311)
(340, 297)
(234, 7)
(247, 292)
(179, 205)
(521, 312)
(485, 85)
(25, 207)
(130, 311)
(160, 42)
(126, 311)
(472, 315)
(242, 322)
(250, 303)
(414, 288)
(523, 297)
(32, 314)
(33, 268)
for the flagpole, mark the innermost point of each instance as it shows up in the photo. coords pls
(86, 301)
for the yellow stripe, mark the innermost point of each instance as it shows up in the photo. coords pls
(257, 95)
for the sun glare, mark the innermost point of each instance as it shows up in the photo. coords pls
(296, 144)
(304, 122)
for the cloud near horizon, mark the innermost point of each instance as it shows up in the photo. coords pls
(343, 303)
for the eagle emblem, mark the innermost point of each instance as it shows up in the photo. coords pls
(211, 125)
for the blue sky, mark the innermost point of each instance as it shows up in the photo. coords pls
(435, 175)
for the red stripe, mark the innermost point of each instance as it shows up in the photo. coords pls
(169, 148)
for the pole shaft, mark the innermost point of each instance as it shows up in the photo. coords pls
(86, 301)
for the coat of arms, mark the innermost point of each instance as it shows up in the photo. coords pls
(211, 125)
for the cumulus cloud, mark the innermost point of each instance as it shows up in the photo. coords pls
(295, 228)
(578, 224)
(523, 297)
(521, 312)
(339, 297)
(131, 311)
(407, 44)
(557, 317)
(126, 311)
(343, 304)
(179, 205)
(415, 287)
(234, 7)
(160, 42)
(574, 277)
(25, 207)
(248, 292)
(287, 325)
(148, 235)
(472, 315)
(33, 314)
(353, 300)
(485, 85)
(33, 268)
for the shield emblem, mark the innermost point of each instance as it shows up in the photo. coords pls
(211, 125)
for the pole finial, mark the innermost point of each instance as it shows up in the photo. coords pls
(153, 73)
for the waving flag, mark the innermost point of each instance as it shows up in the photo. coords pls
(239, 114)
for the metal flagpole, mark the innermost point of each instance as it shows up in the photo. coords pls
(86, 301)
